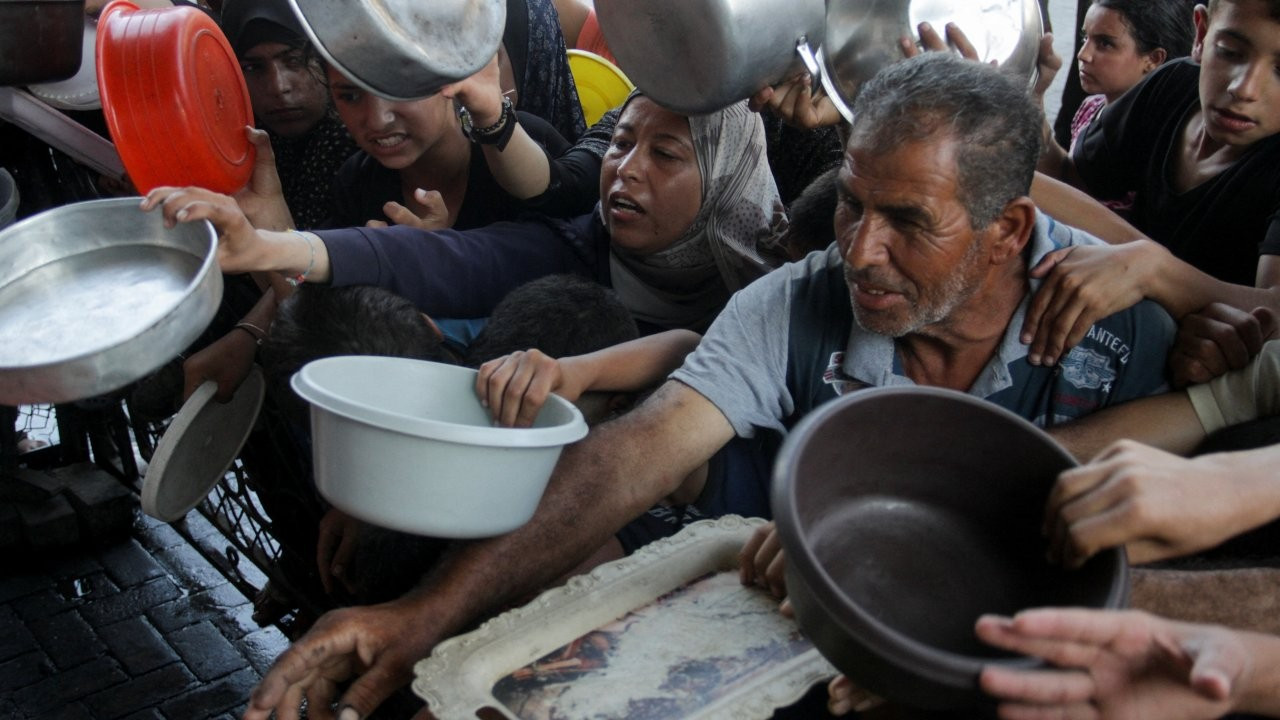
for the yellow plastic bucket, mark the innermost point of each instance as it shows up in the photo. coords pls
(601, 85)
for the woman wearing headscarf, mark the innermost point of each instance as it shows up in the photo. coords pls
(290, 101)
(688, 214)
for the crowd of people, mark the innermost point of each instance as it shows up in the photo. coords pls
(1119, 292)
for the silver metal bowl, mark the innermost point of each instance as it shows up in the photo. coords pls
(862, 36)
(97, 294)
(404, 49)
(698, 56)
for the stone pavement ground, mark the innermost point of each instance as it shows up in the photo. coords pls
(144, 627)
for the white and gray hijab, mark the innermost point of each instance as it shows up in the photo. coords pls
(733, 240)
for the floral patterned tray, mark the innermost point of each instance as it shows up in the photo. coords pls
(668, 632)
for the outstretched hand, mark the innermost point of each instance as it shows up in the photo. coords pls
(762, 562)
(376, 645)
(515, 387)
(435, 216)
(226, 361)
(1113, 664)
(239, 244)
(1157, 505)
(932, 41)
(480, 94)
(262, 200)
(1218, 339)
(1048, 63)
(339, 534)
(796, 103)
(1082, 284)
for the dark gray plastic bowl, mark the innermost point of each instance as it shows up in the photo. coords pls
(905, 514)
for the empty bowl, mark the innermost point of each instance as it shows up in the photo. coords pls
(95, 295)
(906, 513)
(405, 444)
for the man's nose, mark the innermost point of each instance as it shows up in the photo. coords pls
(865, 244)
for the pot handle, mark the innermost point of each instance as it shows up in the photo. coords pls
(811, 64)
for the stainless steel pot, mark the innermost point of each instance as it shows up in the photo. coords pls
(861, 36)
(698, 56)
(40, 40)
(97, 294)
(404, 49)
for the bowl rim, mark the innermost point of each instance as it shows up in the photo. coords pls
(899, 650)
(304, 382)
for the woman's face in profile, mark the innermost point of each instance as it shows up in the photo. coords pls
(650, 184)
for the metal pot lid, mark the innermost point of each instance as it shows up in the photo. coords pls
(199, 445)
(862, 36)
(404, 49)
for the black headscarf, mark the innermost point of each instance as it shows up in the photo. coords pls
(249, 23)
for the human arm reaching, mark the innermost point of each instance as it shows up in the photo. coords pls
(1129, 664)
(623, 468)
(1082, 284)
(242, 247)
(515, 387)
(522, 168)
(1158, 505)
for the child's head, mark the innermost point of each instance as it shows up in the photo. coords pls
(1237, 45)
(560, 315)
(1126, 39)
(395, 133)
(811, 216)
(319, 321)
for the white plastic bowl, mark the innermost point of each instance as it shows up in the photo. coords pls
(405, 444)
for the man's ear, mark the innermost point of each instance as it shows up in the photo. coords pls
(1201, 17)
(1012, 229)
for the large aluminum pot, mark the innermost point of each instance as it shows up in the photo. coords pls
(404, 49)
(905, 514)
(698, 56)
(40, 40)
(862, 36)
(97, 294)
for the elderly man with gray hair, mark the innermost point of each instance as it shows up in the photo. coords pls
(926, 284)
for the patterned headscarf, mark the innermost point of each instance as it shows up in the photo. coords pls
(536, 50)
(734, 239)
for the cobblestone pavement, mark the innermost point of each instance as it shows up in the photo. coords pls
(145, 627)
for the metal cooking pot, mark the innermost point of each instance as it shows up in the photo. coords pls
(861, 36)
(40, 40)
(404, 49)
(97, 294)
(905, 514)
(698, 56)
